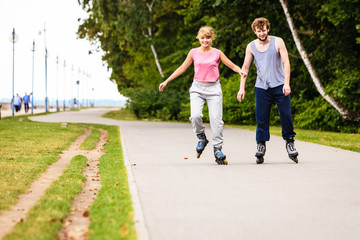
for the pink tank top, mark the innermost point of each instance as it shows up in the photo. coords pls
(206, 65)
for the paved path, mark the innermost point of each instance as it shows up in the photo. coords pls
(8, 112)
(187, 198)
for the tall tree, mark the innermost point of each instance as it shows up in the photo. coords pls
(345, 113)
(153, 49)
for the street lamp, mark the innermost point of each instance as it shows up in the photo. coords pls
(13, 39)
(32, 91)
(46, 57)
(84, 88)
(93, 102)
(57, 83)
(78, 86)
(71, 87)
(46, 98)
(88, 89)
(64, 84)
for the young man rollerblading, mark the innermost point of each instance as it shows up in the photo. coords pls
(272, 86)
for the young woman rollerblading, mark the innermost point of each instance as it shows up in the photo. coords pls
(206, 87)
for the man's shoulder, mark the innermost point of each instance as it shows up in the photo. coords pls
(277, 39)
(279, 43)
(253, 41)
(248, 46)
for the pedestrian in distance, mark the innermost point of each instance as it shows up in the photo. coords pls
(272, 86)
(206, 87)
(26, 100)
(17, 102)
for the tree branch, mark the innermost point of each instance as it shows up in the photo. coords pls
(299, 57)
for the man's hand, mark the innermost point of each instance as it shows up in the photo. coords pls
(286, 89)
(241, 95)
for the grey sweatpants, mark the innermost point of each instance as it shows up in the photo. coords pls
(212, 94)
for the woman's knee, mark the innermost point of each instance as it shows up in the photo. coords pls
(196, 116)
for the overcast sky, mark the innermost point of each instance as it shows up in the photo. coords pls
(60, 18)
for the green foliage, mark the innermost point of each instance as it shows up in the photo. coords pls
(329, 31)
(318, 114)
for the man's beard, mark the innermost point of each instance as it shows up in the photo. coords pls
(263, 40)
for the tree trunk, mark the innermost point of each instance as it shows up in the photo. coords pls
(152, 45)
(345, 113)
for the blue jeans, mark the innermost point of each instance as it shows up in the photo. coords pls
(264, 101)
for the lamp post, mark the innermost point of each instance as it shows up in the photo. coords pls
(57, 83)
(13, 39)
(71, 87)
(88, 90)
(46, 98)
(32, 90)
(85, 89)
(64, 85)
(46, 57)
(93, 97)
(78, 86)
(78, 100)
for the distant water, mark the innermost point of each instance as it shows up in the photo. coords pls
(97, 102)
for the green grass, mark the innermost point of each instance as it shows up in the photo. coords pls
(121, 114)
(90, 141)
(27, 149)
(112, 213)
(346, 141)
(45, 219)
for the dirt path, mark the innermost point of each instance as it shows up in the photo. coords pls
(76, 225)
(26, 201)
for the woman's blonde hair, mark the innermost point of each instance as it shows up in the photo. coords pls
(207, 32)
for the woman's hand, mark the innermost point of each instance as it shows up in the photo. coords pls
(162, 86)
(243, 73)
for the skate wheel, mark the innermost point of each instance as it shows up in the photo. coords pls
(198, 155)
(295, 160)
(260, 160)
(222, 162)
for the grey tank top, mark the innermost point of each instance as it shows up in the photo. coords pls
(270, 70)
